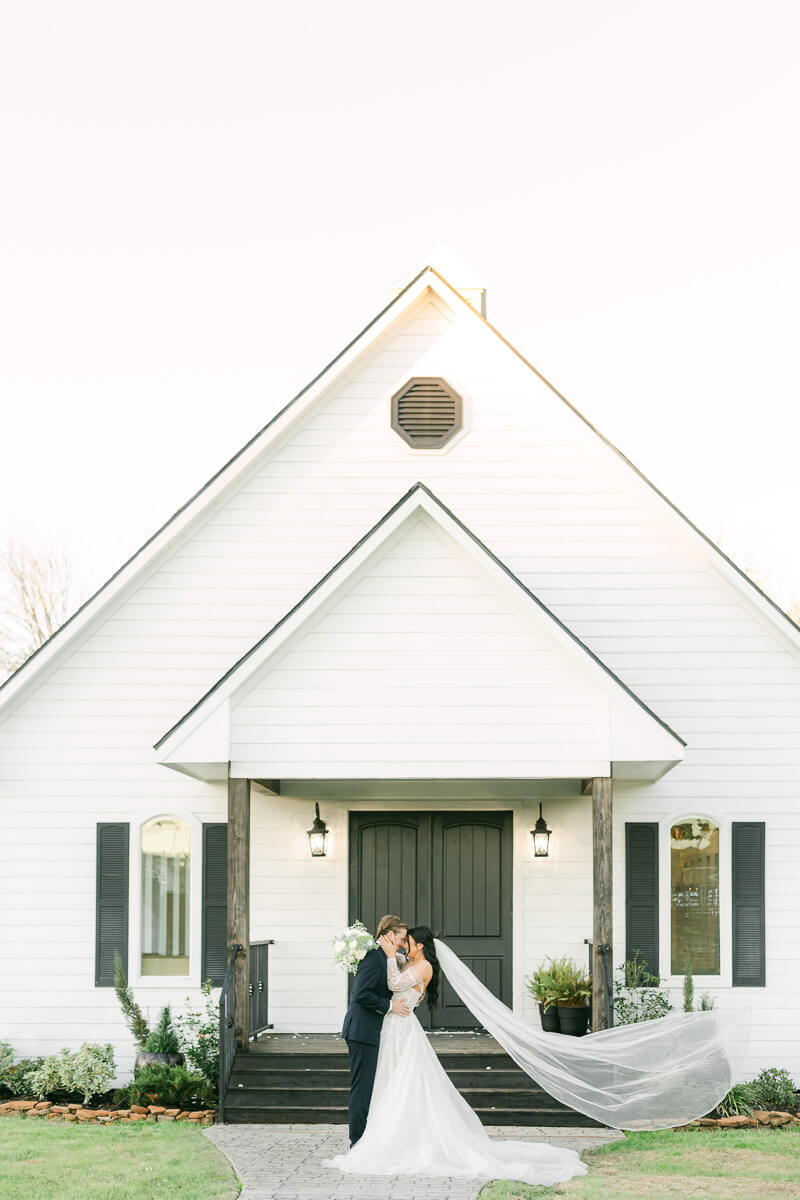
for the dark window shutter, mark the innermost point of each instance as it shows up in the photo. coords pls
(747, 855)
(111, 919)
(641, 892)
(215, 902)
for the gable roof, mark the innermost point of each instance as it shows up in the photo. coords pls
(211, 711)
(428, 278)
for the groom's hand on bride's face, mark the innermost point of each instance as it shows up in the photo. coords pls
(387, 945)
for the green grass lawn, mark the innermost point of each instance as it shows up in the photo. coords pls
(749, 1164)
(41, 1160)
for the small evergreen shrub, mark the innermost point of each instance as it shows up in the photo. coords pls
(130, 1009)
(198, 1035)
(688, 986)
(774, 1089)
(637, 994)
(163, 1039)
(161, 1084)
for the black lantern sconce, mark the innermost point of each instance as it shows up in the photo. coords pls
(540, 837)
(318, 836)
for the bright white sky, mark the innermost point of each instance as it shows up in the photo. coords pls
(202, 203)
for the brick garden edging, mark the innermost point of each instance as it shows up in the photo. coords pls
(106, 1116)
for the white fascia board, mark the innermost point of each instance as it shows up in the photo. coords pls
(201, 746)
(648, 771)
(170, 747)
(636, 732)
(27, 677)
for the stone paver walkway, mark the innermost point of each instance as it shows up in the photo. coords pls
(284, 1162)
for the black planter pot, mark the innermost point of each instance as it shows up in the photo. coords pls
(574, 1021)
(550, 1021)
(149, 1058)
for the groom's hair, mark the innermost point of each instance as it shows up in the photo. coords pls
(390, 924)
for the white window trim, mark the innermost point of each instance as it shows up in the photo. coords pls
(701, 982)
(162, 982)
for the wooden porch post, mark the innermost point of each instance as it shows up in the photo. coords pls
(239, 899)
(602, 930)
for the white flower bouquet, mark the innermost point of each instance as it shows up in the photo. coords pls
(350, 947)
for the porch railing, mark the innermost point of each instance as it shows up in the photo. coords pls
(227, 1028)
(258, 1016)
(609, 996)
(259, 987)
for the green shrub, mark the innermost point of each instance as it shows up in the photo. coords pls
(15, 1077)
(87, 1071)
(637, 994)
(160, 1084)
(774, 1089)
(163, 1039)
(739, 1102)
(198, 1035)
(50, 1075)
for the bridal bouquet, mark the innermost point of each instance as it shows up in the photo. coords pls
(350, 947)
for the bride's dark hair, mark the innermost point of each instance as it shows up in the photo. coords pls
(423, 935)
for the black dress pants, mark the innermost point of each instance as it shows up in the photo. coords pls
(363, 1061)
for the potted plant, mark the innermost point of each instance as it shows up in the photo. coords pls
(573, 998)
(543, 985)
(161, 1045)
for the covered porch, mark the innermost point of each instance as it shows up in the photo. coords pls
(457, 855)
(428, 702)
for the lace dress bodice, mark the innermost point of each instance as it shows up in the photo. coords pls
(405, 984)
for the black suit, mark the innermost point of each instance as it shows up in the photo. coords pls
(370, 1000)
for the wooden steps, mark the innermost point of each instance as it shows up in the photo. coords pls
(278, 1086)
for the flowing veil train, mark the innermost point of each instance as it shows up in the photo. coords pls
(652, 1075)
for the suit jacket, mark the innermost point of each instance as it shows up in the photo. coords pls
(370, 1000)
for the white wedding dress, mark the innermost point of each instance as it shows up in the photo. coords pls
(419, 1124)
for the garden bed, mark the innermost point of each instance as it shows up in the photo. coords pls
(85, 1114)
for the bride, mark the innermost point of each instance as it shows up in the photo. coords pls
(652, 1075)
(418, 1123)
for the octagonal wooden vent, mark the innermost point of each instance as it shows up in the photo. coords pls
(426, 412)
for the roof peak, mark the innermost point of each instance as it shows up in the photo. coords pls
(461, 277)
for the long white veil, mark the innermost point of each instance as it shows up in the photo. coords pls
(651, 1075)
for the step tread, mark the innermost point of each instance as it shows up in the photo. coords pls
(238, 1089)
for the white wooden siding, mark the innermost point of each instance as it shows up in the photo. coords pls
(426, 660)
(550, 499)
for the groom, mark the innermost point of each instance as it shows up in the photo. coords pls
(370, 1000)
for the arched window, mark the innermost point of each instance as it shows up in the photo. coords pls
(694, 896)
(165, 897)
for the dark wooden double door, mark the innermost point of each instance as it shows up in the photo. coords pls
(449, 870)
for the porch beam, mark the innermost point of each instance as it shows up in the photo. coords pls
(238, 928)
(273, 786)
(602, 929)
